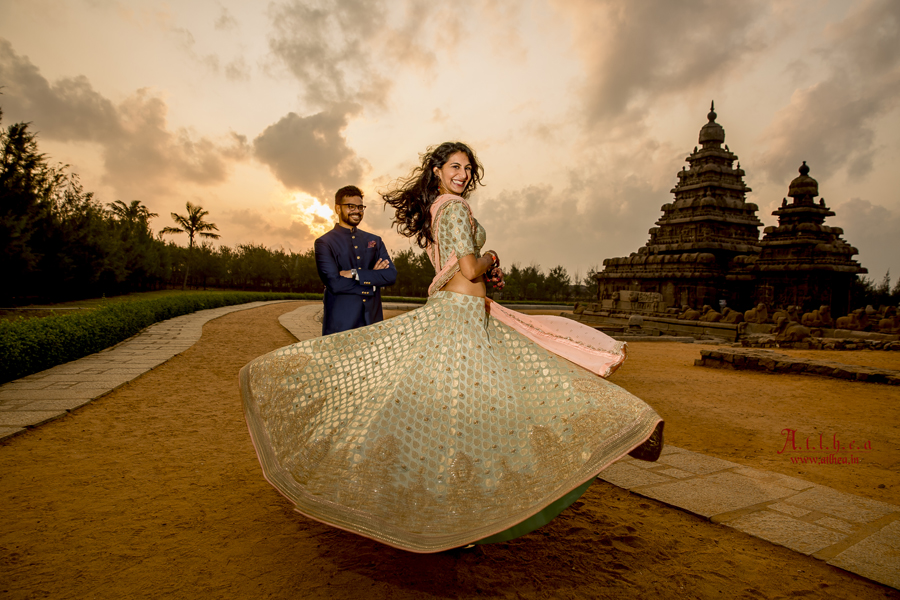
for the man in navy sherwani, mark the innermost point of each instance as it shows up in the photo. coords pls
(353, 265)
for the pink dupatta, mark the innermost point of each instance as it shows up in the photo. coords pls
(578, 343)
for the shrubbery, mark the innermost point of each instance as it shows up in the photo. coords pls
(31, 345)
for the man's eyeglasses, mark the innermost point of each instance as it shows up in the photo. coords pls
(355, 207)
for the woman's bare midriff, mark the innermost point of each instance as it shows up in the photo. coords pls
(460, 285)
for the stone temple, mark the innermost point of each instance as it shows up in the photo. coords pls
(803, 262)
(706, 249)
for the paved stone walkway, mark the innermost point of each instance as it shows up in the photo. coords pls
(856, 534)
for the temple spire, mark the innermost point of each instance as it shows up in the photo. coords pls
(712, 135)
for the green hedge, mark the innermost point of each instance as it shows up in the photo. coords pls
(31, 345)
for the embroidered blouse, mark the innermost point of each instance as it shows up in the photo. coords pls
(457, 234)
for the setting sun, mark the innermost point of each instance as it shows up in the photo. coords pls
(312, 213)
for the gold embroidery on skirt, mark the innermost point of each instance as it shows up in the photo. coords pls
(441, 423)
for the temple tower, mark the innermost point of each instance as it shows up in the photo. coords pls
(689, 256)
(802, 261)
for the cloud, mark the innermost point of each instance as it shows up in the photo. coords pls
(185, 39)
(504, 16)
(67, 110)
(147, 147)
(139, 150)
(350, 50)
(310, 154)
(832, 123)
(293, 224)
(346, 55)
(257, 226)
(601, 209)
(872, 229)
(327, 47)
(651, 49)
(237, 70)
(225, 20)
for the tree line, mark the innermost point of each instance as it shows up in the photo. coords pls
(865, 292)
(58, 242)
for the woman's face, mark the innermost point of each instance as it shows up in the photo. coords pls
(455, 174)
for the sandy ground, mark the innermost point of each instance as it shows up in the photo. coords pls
(155, 491)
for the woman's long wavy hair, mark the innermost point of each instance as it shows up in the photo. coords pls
(412, 197)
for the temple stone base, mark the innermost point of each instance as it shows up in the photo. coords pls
(775, 362)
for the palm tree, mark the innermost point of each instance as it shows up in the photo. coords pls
(192, 224)
(134, 212)
(137, 243)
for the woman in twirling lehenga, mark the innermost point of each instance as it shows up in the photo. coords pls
(455, 423)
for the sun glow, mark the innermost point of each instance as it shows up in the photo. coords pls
(310, 211)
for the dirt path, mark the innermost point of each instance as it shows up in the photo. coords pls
(155, 491)
(741, 415)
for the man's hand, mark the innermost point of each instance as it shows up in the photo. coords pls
(347, 274)
(381, 264)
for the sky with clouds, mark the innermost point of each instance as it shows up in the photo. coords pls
(582, 111)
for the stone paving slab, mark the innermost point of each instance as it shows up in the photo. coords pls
(786, 531)
(838, 504)
(22, 384)
(877, 557)
(55, 405)
(719, 493)
(6, 432)
(772, 477)
(48, 394)
(789, 509)
(53, 393)
(29, 418)
(303, 323)
(627, 475)
(698, 464)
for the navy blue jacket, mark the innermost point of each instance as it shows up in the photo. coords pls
(350, 303)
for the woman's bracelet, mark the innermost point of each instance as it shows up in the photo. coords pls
(495, 262)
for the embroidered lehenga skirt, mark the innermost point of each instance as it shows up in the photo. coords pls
(434, 429)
